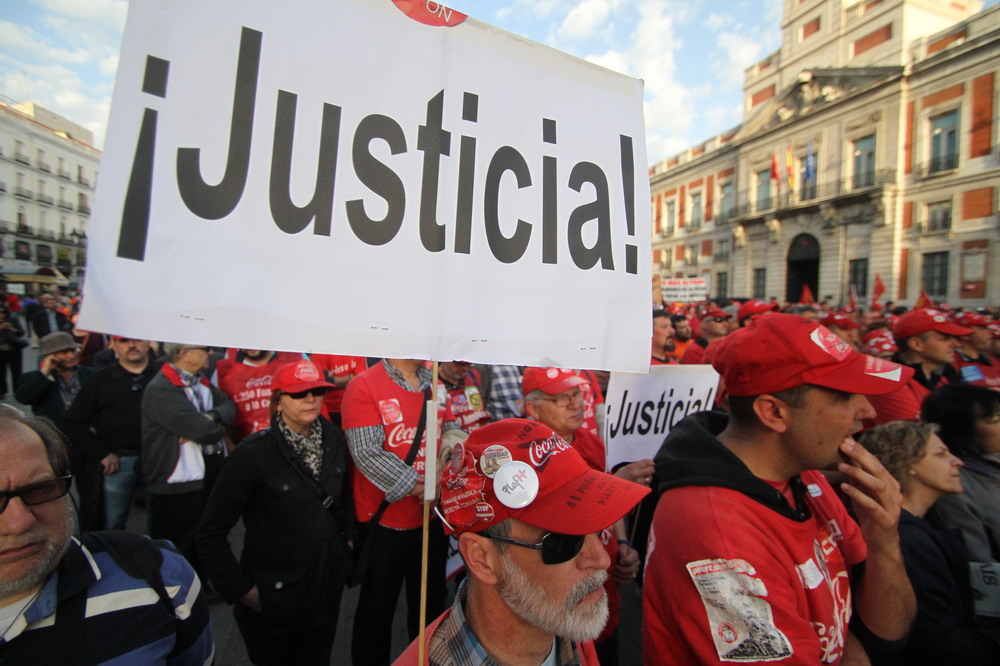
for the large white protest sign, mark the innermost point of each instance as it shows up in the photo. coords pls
(342, 177)
(641, 409)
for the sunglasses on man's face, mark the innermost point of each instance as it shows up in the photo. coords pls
(37, 493)
(298, 395)
(556, 548)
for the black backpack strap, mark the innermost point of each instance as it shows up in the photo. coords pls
(67, 639)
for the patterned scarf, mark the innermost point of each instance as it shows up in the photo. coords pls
(309, 447)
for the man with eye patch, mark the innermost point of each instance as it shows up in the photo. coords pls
(527, 511)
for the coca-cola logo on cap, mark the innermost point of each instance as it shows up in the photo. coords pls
(306, 372)
(429, 12)
(830, 343)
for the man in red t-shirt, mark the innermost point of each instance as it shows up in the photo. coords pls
(751, 552)
(245, 376)
(381, 414)
(339, 371)
(460, 397)
(663, 336)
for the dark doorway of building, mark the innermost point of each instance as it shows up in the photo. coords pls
(803, 267)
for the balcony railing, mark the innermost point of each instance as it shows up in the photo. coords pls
(23, 193)
(83, 209)
(43, 166)
(62, 173)
(721, 256)
(22, 158)
(83, 181)
(936, 165)
(44, 199)
(65, 205)
(810, 192)
(3, 188)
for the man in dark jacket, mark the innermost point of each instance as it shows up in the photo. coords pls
(49, 391)
(104, 422)
(184, 419)
(47, 319)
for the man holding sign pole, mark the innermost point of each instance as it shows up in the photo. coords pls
(384, 413)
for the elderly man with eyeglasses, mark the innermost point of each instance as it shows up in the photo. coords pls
(66, 600)
(553, 397)
(528, 512)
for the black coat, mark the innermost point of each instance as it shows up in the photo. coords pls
(40, 323)
(294, 551)
(946, 630)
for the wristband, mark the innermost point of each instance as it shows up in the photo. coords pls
(624, 542)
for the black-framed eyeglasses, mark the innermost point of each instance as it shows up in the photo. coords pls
(556, 548)
(319, 392)
(565, 399)
(37, 493)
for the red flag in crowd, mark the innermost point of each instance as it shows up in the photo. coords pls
(878, 289)
(925, 301)
(807, 295)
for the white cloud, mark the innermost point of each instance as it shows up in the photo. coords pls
(741, 50)
(110, 13)
(716, 21)
(586, 20)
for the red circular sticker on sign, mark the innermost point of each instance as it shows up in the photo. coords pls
(429, 12)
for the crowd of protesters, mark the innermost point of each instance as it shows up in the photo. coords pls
(773, 535)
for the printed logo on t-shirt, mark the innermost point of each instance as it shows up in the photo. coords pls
(391, 411)
(741, 621)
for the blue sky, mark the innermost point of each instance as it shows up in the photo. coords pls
(63, 54)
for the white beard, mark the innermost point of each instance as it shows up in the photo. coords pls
(572, 620)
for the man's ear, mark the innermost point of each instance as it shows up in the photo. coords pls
(772, 412)
(529, 410)
(482, 560)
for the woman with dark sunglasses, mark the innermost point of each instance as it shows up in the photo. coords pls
(289, 484)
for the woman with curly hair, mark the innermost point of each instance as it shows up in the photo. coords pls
(946, 630)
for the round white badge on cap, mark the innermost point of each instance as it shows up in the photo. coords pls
(516, 484)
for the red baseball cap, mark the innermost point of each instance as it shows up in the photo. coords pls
(781, 351)
(550, 380)
(970, 319)
(877, 333)
(840, 321)
(920, 321)
(715, 312)
(880, 344)
(516, 468)
(754, 307)
(298, 376)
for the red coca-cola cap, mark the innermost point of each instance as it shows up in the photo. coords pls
(299, 376)
(782, 351)
(516, 468)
